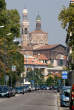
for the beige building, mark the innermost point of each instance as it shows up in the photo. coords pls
(35, 38)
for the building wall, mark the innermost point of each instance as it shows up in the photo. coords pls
(27, 52)
(39, 39)
(54, 55)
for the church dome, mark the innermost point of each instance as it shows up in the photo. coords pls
(38, 18)
(25, 12)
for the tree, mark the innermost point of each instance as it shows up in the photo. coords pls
(36, 76)
(66, 17)
(50, 81)
(2, 4)
(9, 51)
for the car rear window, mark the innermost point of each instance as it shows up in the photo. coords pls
(67, 92)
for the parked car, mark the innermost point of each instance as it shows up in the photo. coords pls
(72, 98)
(19, 90)
(5, 91)
(43, 87)
(27, 88)
(64, 96)
(13, 91)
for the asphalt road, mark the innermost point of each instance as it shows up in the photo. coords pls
(39, 100)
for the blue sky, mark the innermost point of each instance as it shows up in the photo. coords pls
(48, 10)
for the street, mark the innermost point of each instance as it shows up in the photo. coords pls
(45, 100)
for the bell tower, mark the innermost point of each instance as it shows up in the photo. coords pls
(38, 22)
(25, 28)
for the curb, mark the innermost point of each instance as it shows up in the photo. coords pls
(58, 101)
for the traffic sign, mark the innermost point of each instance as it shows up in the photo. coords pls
(64, 75)
(13, 68)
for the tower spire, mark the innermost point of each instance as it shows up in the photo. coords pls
(38, 22)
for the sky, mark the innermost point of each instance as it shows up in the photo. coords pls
(49, 11)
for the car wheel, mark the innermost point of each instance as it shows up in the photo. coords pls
(8, 96)
(61, 104)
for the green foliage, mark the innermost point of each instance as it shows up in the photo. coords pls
(35, 75)
(66, 17)
(2, 4)
(9, 51)
(73, 54)
(49, 81)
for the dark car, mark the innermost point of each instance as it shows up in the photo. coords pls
(5, 91)
(43, 87)
(19, 90)
(13, 91)
(65, 96)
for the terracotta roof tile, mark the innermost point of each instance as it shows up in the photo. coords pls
(33, 61)
(41, 57)
(72, 1)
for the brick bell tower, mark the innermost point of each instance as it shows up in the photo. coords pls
(25, 29)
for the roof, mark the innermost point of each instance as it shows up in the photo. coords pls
(45, 47)
(38, 32)
(72, 1)
(32, 61)
(38, 18)
(41, 57)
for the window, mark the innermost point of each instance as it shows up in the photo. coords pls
(60, 62)
(26, 30)
(52, 61)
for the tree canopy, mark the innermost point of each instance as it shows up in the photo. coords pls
(2, 4)
(9, 50)
(66, 17)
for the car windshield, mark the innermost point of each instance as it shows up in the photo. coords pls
(0, 88)
(19, 88)
(5, 89)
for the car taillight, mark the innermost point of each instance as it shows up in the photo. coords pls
(72, 107)
(72, 95)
